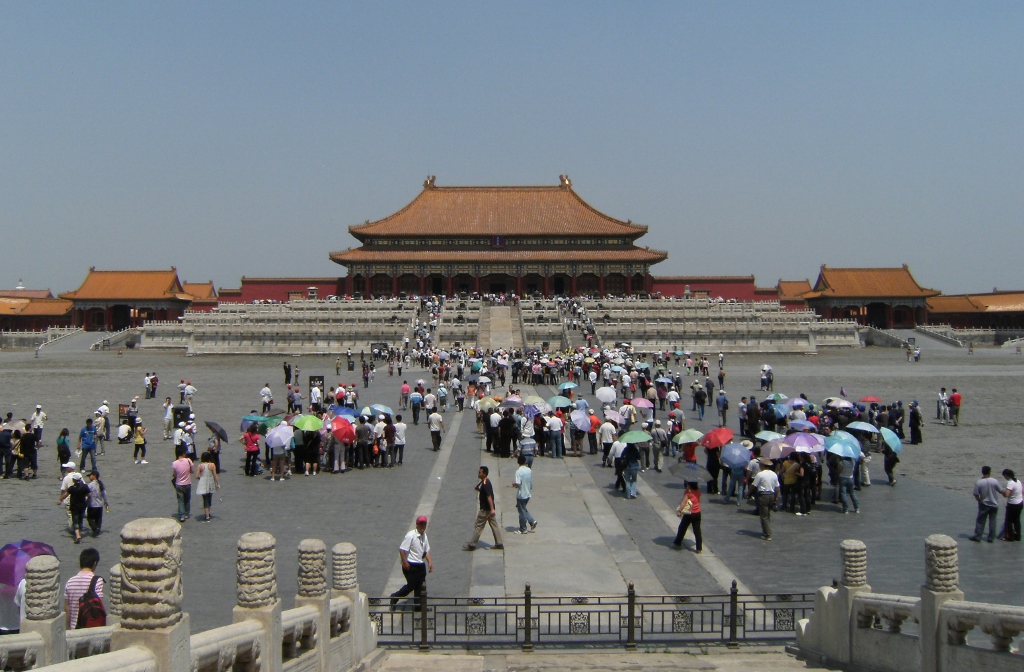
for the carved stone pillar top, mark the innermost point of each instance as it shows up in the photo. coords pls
(343, 566)
(151, 588)
(941, 564)
(114, 605)
(42, 588)
(312, 568)
(855, 562)
(256, 570)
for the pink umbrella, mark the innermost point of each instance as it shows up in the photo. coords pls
(803, 442)
(643, 403)
(14, 557)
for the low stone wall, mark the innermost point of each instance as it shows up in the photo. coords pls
(853, 627)
(328, 630)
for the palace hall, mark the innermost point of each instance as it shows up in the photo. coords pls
(528, 240)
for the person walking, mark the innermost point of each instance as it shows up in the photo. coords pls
(524, 490)
(986, 493)
(722, 403)
(767, 485)
(954, 407)
(64, 446)
(87, 442)
(689, 511)
(78, 496)
(208, 483)
(435, 421)
(414, 552)
(182, 479)
(488, 513)
(916, 423)
(1014, 494)
(97, 503)
(168, 418)
(251, 440)
(87, 581)
(847, 467)
(37, 420)
(400, 429)
(631, 468)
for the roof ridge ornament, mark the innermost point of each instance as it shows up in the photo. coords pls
(565, 182)
(429, 182)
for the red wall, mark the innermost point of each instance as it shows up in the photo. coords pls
(277, 289)
(741, 289)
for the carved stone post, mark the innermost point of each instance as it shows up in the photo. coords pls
(44, 613)
(346, 584)
(829, 631)
(941, 584)
(313, 592)
(114, 605)
(151, 593)
(256, 576)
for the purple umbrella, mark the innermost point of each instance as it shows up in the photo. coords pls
(802, 424)
(14, 557)
(581, 419)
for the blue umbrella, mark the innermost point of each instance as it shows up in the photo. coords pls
(690, 471)
(780, 410)
(381, 408)
(842, 448)
(892, 440)
(802, 424)
(568, 386)
(734, 456)
(343, 410)
(863, 427)
(846, 436)
(617, 369)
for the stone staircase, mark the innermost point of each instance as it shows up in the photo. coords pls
(501, 333)
(518, 341)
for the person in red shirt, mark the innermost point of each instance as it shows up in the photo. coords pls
(954, 407)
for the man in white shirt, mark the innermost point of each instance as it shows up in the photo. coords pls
(415, 554)
(36, 421)
(767, 485)
(556, 440)
(104, 411)
(592, 376)
(400, 429)
(266, 398)
(606, 435)
(435, 421)
(315, 397)
(616, 458)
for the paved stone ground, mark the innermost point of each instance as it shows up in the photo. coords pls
(714, 660)
(590, 539)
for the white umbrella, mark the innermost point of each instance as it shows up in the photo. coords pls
(605, 394)
(280, 436)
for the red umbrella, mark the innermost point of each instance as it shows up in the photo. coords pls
(717, 438)
(871, 399)
(342, 429)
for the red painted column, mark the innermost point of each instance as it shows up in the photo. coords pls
(519, 285)
(477, 279)
(547, 285)
(368, 286)
(451, 285)
(572, 285)
(629, 284)
(394, 285)
(600, 285)
(423, 285)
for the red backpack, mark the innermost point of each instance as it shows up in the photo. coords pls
(91, 613)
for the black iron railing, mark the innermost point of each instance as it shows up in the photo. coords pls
(530, 620)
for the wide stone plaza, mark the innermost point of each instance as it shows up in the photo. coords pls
(590, 541)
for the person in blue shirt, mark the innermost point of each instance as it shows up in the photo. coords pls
(87, 442)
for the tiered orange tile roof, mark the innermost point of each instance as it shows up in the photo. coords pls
(995, 302)
(867, 283)
(26, 293)
(793, 290)
(498, 211)
(129, 286)
(362, 255)
(32, 307)
(200, 290)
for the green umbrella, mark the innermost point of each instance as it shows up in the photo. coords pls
(308, 423)
(559, 402)
(635, 437)
(687, 436)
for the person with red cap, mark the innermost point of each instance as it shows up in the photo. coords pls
(414, 552)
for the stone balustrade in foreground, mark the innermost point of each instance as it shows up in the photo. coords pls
(936, 632)
(328, 630)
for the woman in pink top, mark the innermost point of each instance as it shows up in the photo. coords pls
(182, 481)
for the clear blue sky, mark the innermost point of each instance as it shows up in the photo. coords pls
(766, 138)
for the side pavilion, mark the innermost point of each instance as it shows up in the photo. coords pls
(115, 300)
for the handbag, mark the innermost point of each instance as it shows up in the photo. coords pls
(685, 509)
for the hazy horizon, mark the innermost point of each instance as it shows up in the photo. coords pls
(761, 139)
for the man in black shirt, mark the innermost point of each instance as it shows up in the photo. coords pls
(488, 514)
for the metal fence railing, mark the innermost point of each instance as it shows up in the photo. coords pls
(529, 621)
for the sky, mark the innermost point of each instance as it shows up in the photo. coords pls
(753, 138)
